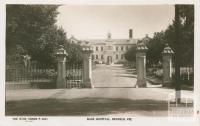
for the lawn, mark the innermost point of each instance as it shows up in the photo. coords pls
(84, 107)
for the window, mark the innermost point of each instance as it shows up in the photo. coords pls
(101, 48)
(101, 56)
(117, 48)
(97, 48)
(122, 48)
(96, 56)
(116, 56)
(122, 56)
(127, 48)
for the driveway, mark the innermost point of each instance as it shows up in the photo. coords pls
(113, 76)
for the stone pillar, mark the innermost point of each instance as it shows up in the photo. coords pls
(167, 65)
(61, 57)
(87, 67)
(141, 65)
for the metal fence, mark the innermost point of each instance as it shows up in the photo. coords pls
(187, 73)
(74, 73)
(32, 73)
(19, 74)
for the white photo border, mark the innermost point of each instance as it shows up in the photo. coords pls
(59, 121)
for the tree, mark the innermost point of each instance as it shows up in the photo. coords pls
(186, 34)
(33, 29)
(26, 23)
(47, 45)
(74, 53)
(185, 46)
(155, 47)
(187, 22)
(130, 55)
(184, 41)
(177, 52)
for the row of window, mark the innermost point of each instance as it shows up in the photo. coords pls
(117, 48)
(102, 56)
(97, 48)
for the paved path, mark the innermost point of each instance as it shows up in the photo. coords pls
(113, 76)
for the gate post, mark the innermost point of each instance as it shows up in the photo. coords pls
(141, 65)
(61, 58)
(167, 65)
(87, 66)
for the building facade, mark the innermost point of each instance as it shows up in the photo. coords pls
(109, 51)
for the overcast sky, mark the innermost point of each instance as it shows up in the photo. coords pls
(92, 22)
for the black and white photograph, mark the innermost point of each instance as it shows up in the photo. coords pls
(100, 62)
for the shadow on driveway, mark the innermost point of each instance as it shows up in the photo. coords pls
(81, 106)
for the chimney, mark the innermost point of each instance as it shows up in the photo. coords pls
(130, 34)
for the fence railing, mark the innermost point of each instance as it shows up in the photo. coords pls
(187, 73)
(74, 75)
(20, 73)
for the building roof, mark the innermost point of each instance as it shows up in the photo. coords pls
(113, 41)
(72, 39)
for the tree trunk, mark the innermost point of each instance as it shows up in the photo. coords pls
(177, 55)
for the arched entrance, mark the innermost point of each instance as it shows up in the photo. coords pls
(109, 60)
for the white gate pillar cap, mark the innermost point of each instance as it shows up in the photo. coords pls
(167, 49)
(87, 49)
(61, 51)
(141, 47)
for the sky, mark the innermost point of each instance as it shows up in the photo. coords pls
(95, 21)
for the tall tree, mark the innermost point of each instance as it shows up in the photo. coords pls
(33, 29)
(155, 47)
(26, 23)
(177, 48)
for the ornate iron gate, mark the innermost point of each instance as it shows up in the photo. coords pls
(74, 72)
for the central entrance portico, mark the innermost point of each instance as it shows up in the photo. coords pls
(109, 60)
